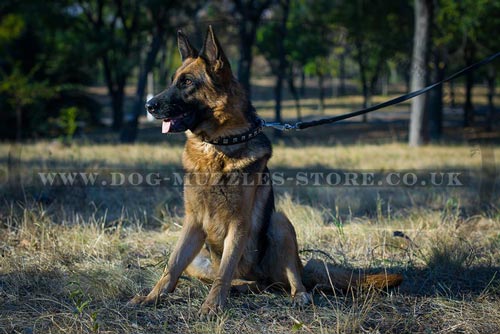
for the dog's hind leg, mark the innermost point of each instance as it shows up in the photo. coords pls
(282, 262)
(202, 267)
(205, 269)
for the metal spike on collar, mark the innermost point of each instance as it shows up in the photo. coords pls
(241, 138)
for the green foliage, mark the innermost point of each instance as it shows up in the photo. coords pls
(11, 27)
(69, 44)
(376, 38)
(314, 36)
(489, 25)
(459, 19)
(41, 60)
(319, 65)
(21, 90)
(306, 31)
(461, 23)
(81, 302)
(267, 39)
(67, 122)
(78, 297)
(297, 326)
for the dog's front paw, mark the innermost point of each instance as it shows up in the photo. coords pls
(213, 305)
(215, 302)
(142, 301)
(302, 299)
(209, 310)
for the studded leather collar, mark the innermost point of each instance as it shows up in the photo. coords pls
(240, 138)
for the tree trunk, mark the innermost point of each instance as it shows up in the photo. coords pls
(250, 12)
(436, 97)
(423, 19)
(277, 100)
(163, 69)
(321, 84)
(491, 95)
(302, 83)
(280, 73)
(342, 88)
(407, 78)
(295, 94)
(469, 84)
(367, 102)
(116, 90)
(282, 65)
(129, 133)
(117, 99)
(373, 86)
(452, 94)
(364, 79)
(19, 123)
(247, 31)
(14, 168)
(366, 95)
(385, 84)
(366, 98)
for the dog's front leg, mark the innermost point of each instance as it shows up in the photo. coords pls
(234, 244)
(188, 246)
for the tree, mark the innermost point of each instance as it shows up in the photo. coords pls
(282, 63)
(419, 74)
(250, 13)
(41, 68)
(376, 38)
(272, 43)
(460, 25)
(160, 16)
(320, 68)
(475, 17)
(490, 23)
(295, 40)
(435, 96)
(23, 91)
(444, 43)
(112, 27)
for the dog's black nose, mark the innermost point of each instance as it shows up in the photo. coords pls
(151, 105)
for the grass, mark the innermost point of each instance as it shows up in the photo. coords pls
(70, 258)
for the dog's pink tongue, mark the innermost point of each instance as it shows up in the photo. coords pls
(165, 126)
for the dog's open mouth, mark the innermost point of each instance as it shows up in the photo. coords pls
(177, 124)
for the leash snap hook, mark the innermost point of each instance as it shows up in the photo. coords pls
(278, 126)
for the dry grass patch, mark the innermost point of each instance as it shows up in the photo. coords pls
(70, 259)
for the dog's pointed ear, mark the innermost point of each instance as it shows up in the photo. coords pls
(213, 54)
(185, 48)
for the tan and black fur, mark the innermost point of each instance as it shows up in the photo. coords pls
(232, 235)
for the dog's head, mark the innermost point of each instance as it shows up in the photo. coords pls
(203, 96)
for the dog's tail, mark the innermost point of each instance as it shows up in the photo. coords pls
(328, 276)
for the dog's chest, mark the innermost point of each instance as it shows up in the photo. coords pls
(216, 196)
(218, 190)
(215, 206)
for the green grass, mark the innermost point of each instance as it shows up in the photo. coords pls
(70, 258)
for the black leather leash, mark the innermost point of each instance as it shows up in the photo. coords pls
(305, 125)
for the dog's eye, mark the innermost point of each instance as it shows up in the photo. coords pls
(187, 82)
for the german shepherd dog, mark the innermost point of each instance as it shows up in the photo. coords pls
(232, 235)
